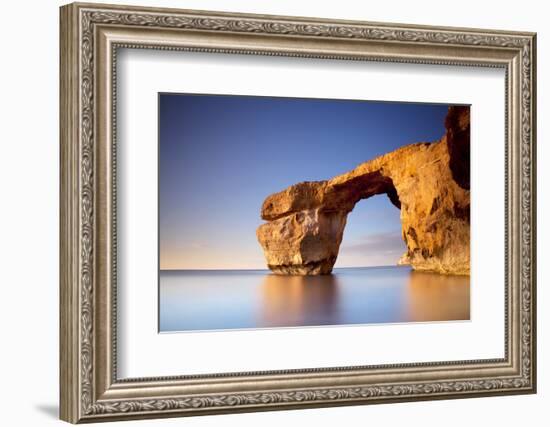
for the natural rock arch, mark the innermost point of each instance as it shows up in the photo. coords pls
(429, 182)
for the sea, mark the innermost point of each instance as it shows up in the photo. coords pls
(206, 300)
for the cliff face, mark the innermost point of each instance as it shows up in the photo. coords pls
(428, 182)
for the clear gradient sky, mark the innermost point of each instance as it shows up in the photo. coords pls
(220, 156)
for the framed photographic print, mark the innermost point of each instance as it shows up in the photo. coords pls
(264, 212)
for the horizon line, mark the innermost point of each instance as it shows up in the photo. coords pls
(266, 269)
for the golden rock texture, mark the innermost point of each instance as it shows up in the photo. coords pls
(429, 182)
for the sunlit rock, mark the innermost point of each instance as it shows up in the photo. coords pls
(428, 182)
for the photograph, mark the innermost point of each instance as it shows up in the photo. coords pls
(304, 212)
(271, 209)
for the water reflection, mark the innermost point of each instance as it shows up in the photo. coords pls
(299, 300)
(438, 297)
(206, 300)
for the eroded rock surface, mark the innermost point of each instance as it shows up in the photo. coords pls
(428, 182)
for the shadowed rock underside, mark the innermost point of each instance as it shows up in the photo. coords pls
(428, 182)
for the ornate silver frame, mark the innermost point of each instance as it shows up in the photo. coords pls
(90, 36)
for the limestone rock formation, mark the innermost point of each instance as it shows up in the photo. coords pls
(428, 182)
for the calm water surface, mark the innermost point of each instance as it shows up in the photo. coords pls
(206, 300)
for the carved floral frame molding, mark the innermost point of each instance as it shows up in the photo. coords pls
(90, 37)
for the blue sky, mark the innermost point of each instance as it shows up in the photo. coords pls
(221, 156)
